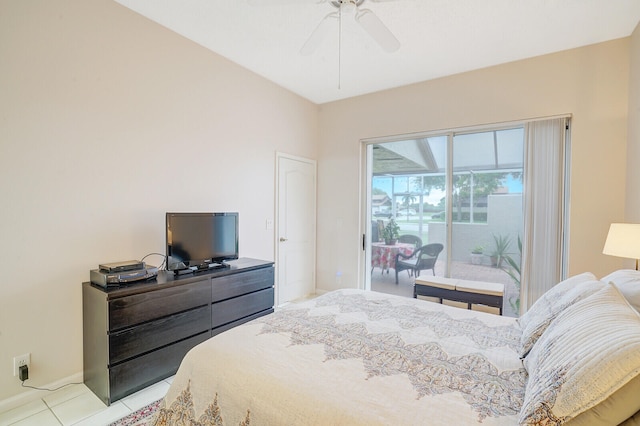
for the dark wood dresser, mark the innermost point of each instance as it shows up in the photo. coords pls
(137, 334)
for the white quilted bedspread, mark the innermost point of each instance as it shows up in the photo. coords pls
(351, 357)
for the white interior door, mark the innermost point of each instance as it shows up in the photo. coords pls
(296, 228)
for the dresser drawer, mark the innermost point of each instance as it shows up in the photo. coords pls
(155, 334)
(230, 325)
(239, 307)
(230, 286)
(131, 310)
(140, 372)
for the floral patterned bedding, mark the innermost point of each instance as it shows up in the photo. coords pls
(351, 357)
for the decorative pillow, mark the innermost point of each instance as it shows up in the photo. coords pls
(536, 320)
(615, 409)
(628, 282)
(590, 351)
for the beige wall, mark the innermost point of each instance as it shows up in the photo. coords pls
(590, 83)
(633, 148)
(107, 121)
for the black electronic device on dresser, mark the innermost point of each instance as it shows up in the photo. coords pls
(138, 334)
(201, 241)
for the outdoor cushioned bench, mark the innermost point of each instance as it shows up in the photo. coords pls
(475, 294)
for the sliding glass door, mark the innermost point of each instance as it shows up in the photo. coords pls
(462, 190)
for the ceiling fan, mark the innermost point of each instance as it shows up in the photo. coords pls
(345, 8)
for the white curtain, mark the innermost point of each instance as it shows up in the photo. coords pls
(544, 208)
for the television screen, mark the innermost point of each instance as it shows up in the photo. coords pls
(201, 240)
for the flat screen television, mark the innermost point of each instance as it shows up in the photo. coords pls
(199, 241)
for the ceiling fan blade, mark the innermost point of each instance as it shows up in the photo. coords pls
(377, 30)
(318, 34)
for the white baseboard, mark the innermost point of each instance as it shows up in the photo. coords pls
(31, 395)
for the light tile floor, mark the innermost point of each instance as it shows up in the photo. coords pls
(76, 405)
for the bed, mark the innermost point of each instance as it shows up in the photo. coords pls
(351, 357)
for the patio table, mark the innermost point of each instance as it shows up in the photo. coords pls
(384, 256)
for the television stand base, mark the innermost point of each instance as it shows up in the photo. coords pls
(212, 266)
(185, 271)
(221, 266)
(196, 269)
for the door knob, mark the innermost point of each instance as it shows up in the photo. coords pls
(283, 239)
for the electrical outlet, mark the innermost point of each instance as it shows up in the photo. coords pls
(21, 360)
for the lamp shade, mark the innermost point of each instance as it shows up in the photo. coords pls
(623, 240)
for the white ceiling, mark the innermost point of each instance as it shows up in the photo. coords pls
(438, 37)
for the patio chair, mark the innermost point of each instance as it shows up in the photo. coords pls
(410, 239)
(423, 258)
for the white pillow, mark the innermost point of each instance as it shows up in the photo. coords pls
(589, 352)
(536, 320)
(628, 282)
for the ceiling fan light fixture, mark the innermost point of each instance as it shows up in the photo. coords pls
(349, 7)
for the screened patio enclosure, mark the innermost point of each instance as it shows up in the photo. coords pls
(463, 190)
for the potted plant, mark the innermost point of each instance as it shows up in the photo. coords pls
(501, 246)
(391, 232)
(476, 255)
